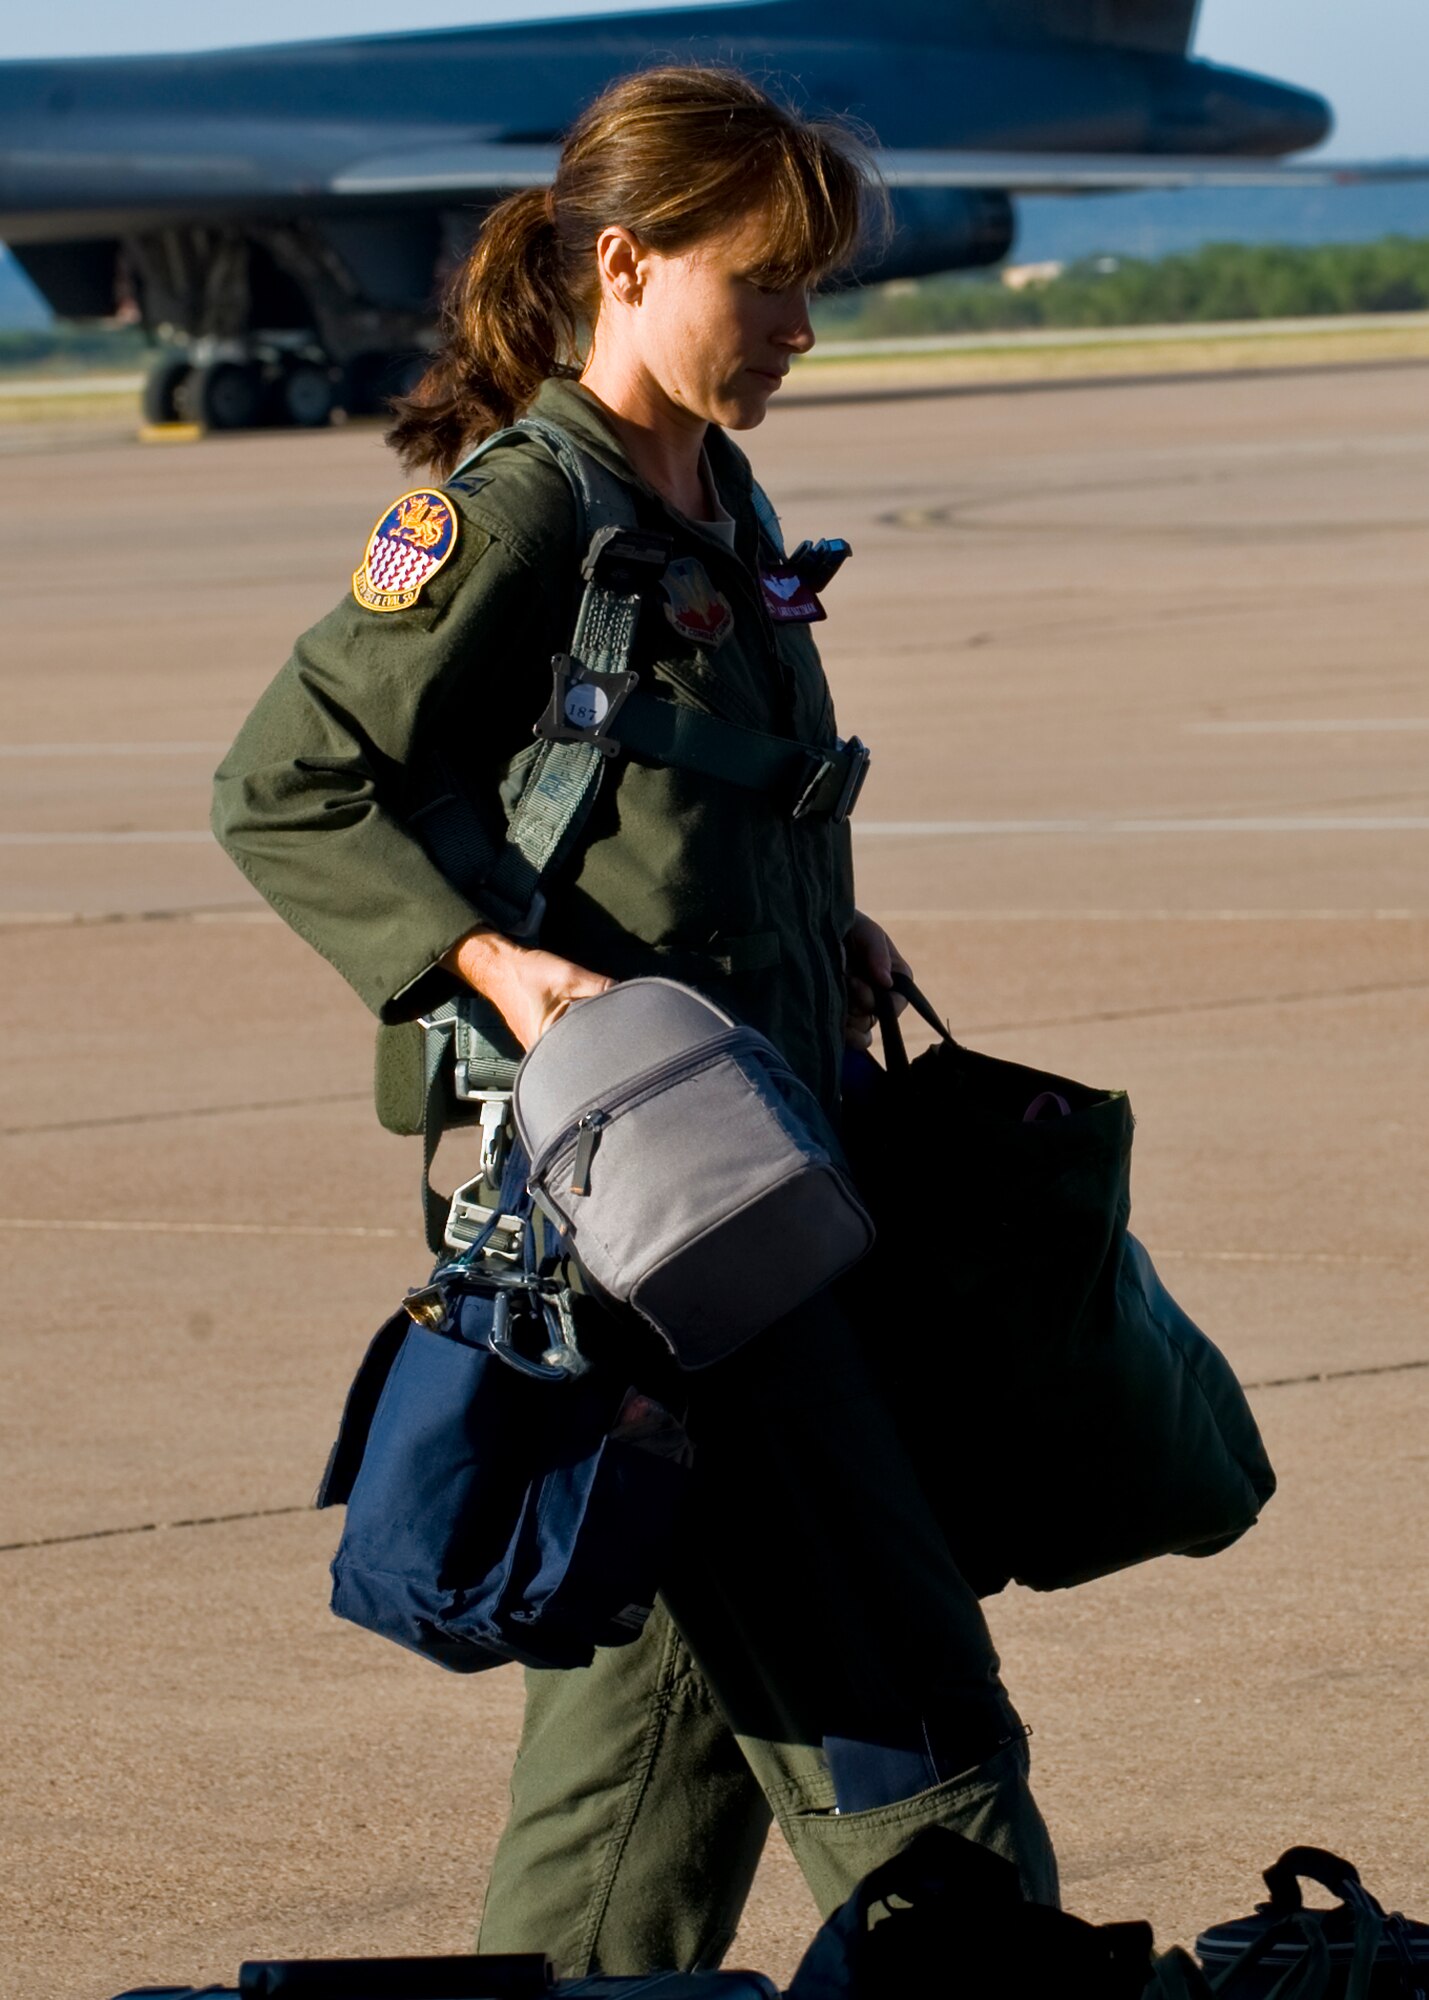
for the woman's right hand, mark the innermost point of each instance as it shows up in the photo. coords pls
(528, 987)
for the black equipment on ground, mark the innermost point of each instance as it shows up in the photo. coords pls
(947, 1917)
(1353, 1952)
(488, 1978)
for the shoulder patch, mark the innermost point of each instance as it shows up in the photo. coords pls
(692, 604)
(405, 550)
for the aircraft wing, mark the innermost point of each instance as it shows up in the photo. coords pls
(458, 169)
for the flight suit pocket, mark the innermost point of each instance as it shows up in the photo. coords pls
(991, 1804)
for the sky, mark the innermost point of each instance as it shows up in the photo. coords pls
(1369, 57)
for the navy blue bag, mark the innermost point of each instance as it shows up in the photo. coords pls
(507, 1498)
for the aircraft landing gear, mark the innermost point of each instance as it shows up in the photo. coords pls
(222, 396)
(238, 389)
(306, 395)
(163, 386)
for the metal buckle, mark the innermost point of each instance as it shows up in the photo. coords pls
(494, 1107)
(562, 1358)
(805, 802)
(468, 1219)
(859, 758)
(626, 560)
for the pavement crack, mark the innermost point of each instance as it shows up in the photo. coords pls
(152, 1528)
(188, 1111)
(205, 913)
(1318, 1376)
(1200, 1007)
(1339, 1374)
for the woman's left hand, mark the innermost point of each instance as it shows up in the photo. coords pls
(870, 960)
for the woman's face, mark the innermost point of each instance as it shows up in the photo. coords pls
(704, 325)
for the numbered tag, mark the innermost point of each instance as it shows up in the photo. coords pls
(583, 705)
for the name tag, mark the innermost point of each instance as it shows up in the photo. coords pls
(787, 598)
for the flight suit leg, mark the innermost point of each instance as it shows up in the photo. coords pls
(636, 1823)
(814, 1590)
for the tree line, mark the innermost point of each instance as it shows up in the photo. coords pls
(1221, 281)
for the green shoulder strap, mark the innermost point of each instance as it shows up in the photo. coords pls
(469, 1058)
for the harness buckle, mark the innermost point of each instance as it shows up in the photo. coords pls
(495, 1106)
(854, 758)
(626, 561)
(859, 758)
(808, 798)
(468, 1220)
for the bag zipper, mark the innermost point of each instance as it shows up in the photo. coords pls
(590, 1129)
(584, 1131)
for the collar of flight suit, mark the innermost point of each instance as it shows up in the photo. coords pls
(561, 400)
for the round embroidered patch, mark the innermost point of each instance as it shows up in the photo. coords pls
(692, 604)
(407, 548)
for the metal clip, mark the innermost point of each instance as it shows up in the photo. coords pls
(808, 798)
(859, 758)
(563, 1353)
(562, 1358)
(626, 561)
(468, 1220)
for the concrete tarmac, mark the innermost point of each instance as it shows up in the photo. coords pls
(1145, 673)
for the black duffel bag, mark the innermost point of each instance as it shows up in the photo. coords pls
(1066, 1418)
(1353, 1952)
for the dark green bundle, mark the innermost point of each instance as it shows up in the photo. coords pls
(1066, 1417)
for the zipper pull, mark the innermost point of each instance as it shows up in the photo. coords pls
(589, 1129)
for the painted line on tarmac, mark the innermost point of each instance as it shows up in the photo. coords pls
(239, 913)
(112, 749)
(1036, 916)
(178, 837)
(955, 829)
(97, 1225)
(1330, 1257)
(1310, 726)
(166, 1227)
(888, 829)
(182, 1111)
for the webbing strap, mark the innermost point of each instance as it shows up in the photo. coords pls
(564, 777)
(768, 519)
(559, 791)
(440, 1025)
(805, 777)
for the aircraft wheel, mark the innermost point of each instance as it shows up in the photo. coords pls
(308, 396)
(164, 387)
(225, 396)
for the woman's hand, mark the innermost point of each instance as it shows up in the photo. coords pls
(870, 960)
(528, 987)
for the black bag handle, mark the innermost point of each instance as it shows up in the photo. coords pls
(1313, 1864)
(895, 1054)
(1287, 1908)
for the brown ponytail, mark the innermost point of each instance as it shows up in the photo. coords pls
(673, 154)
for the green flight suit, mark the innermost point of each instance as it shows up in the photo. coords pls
(813, 1595)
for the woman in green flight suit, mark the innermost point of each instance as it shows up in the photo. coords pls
(816, 1656)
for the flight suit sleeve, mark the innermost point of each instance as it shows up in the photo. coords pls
(370, 708)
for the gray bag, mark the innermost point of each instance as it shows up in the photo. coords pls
(692, 1174)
